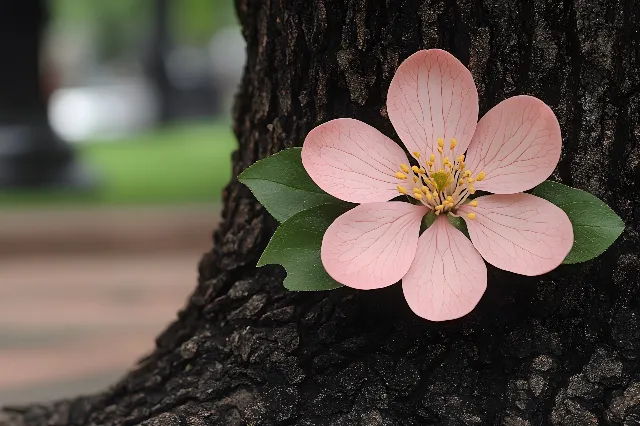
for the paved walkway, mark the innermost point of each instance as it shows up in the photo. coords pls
(73, 320)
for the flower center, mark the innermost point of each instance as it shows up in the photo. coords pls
(441, 179)
(439, 183)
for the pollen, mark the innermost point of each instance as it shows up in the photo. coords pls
(471, 215)
(442, 183)
(418, 170)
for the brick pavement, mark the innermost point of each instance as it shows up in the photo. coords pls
(74, 320)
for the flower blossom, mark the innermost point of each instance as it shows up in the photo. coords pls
(433, 105)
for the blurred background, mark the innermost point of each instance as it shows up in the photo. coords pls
(115, 144)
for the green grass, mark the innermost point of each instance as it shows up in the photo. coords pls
(182, 164)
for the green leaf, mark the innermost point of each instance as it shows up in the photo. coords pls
(282, 185)
(595, 225)
(459, 224)
(296, 246)
(427, 221)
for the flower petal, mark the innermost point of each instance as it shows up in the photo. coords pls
(353, 161)
(432, 95)
(520, 233)
(517, 144)
(448, 277)
(372, 245)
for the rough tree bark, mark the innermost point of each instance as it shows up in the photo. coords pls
(560, 349)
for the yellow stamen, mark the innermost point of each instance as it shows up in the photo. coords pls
(445, 184)
(471, 215)
(418, 170)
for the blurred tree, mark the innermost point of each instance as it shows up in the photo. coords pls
(30, 154)
(561, 349)
(185, 85)
(158, 50)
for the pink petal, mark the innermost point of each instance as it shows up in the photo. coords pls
(517, 144)
(431, 96)
(448, 277)
(520, 233)
(353, 161)
(372, 246)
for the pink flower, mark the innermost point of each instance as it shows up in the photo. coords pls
(433, 105)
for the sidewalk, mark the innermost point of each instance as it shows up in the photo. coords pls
(79, 303)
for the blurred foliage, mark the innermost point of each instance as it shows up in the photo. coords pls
(194, 21)
(182, 164)
(121, 24)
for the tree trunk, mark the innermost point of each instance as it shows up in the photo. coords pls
(559, 349)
